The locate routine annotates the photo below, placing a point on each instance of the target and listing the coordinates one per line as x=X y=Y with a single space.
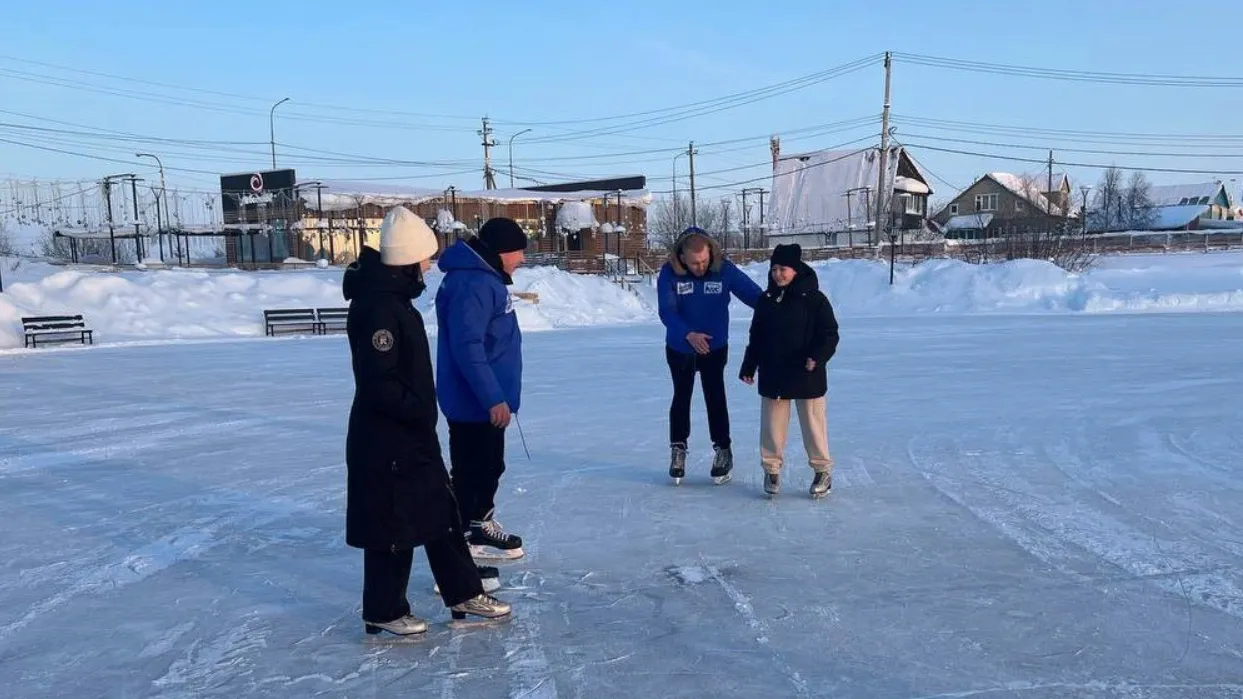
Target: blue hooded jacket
x=701 y=304
x=478 y=344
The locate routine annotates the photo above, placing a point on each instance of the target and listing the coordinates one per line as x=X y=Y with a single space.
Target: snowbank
x=161 y=304
x=182 y=304
x=1133 y=283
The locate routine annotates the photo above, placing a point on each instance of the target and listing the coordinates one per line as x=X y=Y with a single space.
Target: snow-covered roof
x=824 y=191
x=1176 y=217
x=1184 y=194
x=341 y=195
x=1028 y=187
x=968 y=221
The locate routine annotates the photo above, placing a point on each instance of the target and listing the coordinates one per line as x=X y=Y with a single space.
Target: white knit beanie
x=405 y=239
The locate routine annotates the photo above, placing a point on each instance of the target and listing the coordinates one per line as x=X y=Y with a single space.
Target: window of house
x=1020 y=207
x=986 y=202
x=953 y=209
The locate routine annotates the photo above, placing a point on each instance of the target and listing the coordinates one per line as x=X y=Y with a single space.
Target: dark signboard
x=255 y=196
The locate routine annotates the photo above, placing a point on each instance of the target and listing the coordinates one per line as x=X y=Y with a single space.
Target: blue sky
x=409 y=81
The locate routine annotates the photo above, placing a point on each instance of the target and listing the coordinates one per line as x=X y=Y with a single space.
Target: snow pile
x=1134 y=283
x=161 y=304
x=574 y=216
x=183 y=304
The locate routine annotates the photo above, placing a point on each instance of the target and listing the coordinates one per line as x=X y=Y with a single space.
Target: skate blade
x=722 y=480
x=677 y=480
x=478 y=622
x=820 y=496
x=388 y=638
x=483 y=553
x=489 y=585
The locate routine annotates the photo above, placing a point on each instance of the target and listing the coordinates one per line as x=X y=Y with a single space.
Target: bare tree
x=1106 y=213
x=6 y=242
x=669 y=217
x=1137 y=209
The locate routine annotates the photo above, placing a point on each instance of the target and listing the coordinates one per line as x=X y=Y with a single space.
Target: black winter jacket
x=790 y=326
x=397 y=491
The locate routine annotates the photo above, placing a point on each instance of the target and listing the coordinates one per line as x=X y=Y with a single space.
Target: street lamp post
x=159 y=221
x=511 y=156
x=272 y=128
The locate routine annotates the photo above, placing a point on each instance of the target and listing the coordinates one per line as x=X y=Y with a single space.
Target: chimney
x=774 y=144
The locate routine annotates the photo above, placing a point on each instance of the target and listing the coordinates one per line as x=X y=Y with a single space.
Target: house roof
x=825 y=191
x=1028 y=187
x=1185 y=194
x=968 y=222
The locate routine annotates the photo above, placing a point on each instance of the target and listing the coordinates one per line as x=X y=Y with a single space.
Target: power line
x=1149 y=79
x=1078 y=135
x=1045 y=161
x=1092 y=151
x=773 y=176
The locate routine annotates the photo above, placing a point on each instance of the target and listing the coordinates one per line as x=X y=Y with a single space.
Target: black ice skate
x=772 y=483
x=489 y=542
x=821 y=485
x=677 y=463
x=722 y=464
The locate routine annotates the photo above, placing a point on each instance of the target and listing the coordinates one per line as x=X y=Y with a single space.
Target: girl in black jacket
x=793 y=336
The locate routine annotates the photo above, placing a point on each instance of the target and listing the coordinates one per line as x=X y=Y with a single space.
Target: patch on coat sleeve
x=382 y=340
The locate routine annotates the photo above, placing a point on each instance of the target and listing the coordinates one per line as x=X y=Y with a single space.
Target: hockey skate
x=489 y=542
x=772 y=483
x=485 y=606
x=490 y=576
x=821 y=485
x=722 y=465
x=405 y=626
x=677 y=463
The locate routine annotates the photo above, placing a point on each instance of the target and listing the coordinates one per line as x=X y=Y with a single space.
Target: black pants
x=386 y=574
x=711 y=369
x=477 y=458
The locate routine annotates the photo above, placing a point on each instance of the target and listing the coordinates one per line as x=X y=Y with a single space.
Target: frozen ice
x=1024 y=506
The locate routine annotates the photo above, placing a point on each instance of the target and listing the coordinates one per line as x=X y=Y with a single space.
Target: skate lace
x=493 y=529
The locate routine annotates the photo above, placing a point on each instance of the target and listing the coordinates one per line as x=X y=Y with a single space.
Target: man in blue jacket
x=694 y=290
x=479 y=374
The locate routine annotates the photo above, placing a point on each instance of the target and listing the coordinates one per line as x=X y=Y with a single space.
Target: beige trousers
x=812 y=422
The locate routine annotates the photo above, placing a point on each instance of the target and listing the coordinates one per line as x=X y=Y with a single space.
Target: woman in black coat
x=793 y=336
x=398 y=495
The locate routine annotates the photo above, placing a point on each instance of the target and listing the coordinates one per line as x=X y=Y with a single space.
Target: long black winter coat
x=398 y=494
x=790 y=326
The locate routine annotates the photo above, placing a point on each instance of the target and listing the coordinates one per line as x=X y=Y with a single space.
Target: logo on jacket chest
x=685 y=288
x=714 y=287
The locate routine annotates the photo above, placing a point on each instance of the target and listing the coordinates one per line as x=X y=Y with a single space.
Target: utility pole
x=1084 y=214
x=489 y=178
x=690 y=151
x=746 y=230
x=133 y=183
x=763 y=231
x=272 y=128
x=1050 y=189
x=881 y=191
x=159 y=224
x=511 y=156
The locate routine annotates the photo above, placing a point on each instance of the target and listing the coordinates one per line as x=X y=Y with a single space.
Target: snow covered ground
x=1030 y=506
x=155 y=305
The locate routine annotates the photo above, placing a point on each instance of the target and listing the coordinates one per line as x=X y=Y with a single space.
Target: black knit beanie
x=787 y=255
x=503 y=235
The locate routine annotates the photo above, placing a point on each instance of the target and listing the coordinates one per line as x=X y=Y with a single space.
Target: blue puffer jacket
x=701 y=304
x=478 y=344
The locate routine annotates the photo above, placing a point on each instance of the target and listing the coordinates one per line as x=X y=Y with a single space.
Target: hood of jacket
x=716 y=257
x=369 y=276
x=805 y=281
x=473 y=255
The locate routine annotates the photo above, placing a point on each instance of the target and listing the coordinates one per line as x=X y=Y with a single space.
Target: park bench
x=331 y=319
x=56 y=329
x=276 y=320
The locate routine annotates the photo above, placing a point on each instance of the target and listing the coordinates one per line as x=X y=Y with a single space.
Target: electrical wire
x=1085 y=76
